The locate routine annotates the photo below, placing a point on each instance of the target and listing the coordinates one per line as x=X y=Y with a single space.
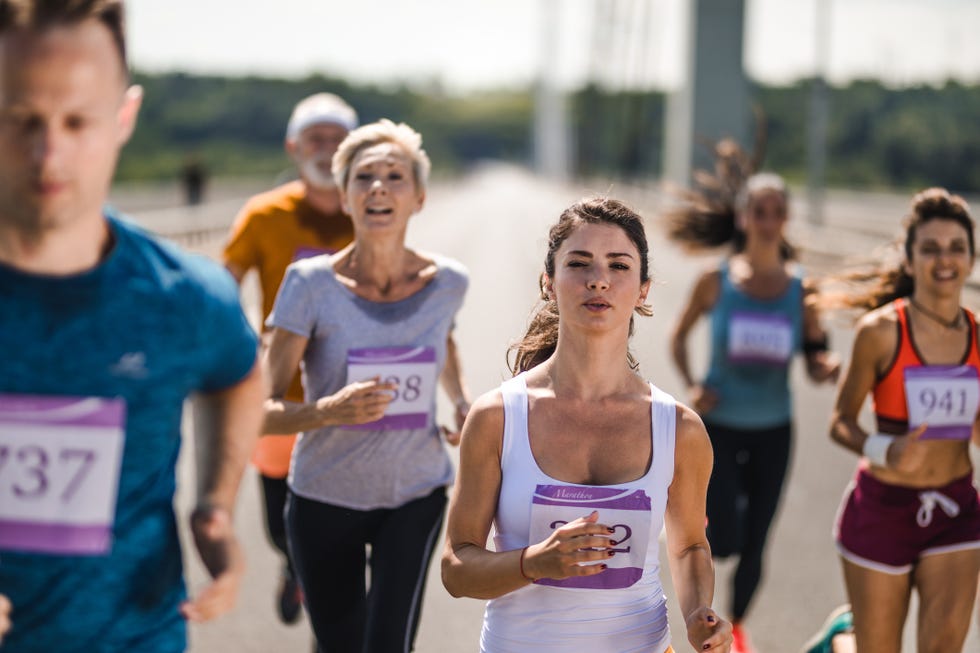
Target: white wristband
x=876 y=448
x=975 y=455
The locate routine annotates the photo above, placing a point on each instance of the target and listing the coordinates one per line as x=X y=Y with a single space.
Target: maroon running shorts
x=889 y=527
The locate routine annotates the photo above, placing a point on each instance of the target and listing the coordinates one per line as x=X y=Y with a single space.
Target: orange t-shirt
x=271 y=231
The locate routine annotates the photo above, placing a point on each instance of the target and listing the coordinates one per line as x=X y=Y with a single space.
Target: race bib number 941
x=946 y=397
x=413 y=369
x=60 y=459
x=626 y=511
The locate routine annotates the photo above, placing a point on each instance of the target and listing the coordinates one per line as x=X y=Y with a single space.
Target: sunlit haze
x=476 y=44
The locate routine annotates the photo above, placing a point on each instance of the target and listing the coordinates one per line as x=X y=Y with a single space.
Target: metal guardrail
x=193 y=227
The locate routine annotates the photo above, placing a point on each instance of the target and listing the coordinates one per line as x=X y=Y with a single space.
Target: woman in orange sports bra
x=911 y=518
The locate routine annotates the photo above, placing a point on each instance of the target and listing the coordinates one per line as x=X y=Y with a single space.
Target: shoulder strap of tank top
x=905 y=346
x=514 y=394
x=796 y=279
x=664 y=426
x=725 y=288
x=901 y=311
x=971 y=321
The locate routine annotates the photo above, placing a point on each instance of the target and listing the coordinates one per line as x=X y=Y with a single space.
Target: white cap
x=318 y=109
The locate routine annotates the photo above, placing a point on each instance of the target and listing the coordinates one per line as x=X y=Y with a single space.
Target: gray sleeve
x=294 y=309
x=460 y=286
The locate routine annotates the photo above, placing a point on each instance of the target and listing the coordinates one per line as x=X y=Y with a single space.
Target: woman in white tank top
x=578 y=463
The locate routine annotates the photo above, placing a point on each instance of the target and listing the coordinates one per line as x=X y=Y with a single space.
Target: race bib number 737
x=60 y=459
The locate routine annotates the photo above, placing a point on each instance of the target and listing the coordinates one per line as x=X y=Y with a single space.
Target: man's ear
x=128 y=112
x=290 y=146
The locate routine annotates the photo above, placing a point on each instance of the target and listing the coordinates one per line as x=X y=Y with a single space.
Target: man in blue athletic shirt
x=104 y=331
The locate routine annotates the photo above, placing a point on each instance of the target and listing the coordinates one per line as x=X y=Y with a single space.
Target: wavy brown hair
x=871 y=289
x=541 y=338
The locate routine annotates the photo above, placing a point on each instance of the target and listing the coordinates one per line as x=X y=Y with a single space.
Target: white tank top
x=621 y=610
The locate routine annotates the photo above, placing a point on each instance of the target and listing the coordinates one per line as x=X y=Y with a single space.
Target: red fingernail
x=611 y=553
x=706 y=647
x=604 y=567
x=612 y=542
x=611 y=530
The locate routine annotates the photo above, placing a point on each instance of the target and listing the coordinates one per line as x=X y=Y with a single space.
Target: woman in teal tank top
x=762 y=311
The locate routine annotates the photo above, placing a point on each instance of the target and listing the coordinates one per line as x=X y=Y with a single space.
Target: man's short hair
x=39 y=15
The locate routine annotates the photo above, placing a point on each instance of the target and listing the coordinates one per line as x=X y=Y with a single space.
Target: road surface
x=495 y=221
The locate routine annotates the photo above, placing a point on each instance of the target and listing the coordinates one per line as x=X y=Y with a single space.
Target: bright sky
x=476 y=44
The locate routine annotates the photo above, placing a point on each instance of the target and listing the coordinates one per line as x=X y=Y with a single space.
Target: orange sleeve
x=242 y=247
x=271 y=456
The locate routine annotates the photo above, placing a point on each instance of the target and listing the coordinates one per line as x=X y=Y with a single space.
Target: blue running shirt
x=145 y=328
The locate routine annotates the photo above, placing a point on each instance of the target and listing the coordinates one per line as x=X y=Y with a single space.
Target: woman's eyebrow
x=582 y=252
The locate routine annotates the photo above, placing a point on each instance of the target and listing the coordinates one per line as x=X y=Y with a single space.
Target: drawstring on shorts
x=930 y=500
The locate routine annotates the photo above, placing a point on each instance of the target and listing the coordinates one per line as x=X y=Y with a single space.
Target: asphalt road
x=495 y=221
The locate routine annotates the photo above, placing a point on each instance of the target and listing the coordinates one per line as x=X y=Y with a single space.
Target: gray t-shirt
x=367 y=468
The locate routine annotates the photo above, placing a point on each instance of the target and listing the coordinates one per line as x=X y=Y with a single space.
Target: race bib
x=301 y=253
x=760 y=338
x=60 y=460
x=946 y=397
x=412 y=368
x=625 y=510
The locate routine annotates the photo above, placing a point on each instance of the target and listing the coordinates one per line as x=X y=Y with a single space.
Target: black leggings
x=274 y=496
x=743 y=495
x=328 y=542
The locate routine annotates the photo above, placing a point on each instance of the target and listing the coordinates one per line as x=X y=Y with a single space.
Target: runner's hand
x=222 y=556
x=823 y=366
x=452 y=437
x=357 y=403
x=706 y=631
x=702 y=398
x=909 y=453
x=5 y=610
x=582 y=540
x=462 y=410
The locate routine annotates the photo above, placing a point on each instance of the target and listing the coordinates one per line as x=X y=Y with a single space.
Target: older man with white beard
x=299 y=219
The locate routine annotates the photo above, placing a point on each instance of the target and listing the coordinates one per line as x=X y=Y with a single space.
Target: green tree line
x=879 y=137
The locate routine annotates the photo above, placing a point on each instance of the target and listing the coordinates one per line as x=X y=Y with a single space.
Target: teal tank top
x=752 y=344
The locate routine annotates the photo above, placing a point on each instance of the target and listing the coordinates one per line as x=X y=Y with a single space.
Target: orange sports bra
x=888 y=396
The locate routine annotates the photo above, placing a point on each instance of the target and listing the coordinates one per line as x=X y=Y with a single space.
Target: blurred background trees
x=879 y=137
